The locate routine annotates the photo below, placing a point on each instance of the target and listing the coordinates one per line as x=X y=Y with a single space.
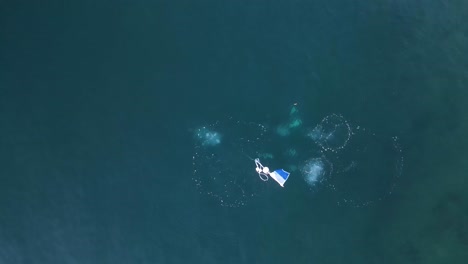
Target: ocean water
x=100 y=101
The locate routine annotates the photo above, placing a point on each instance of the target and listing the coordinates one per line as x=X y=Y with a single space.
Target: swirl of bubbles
x=368 y=170
x=332 y=133
x=316 y=170
x=221 y=166
x=358 y=166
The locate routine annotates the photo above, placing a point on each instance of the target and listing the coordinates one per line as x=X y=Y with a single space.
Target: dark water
x=99 y=99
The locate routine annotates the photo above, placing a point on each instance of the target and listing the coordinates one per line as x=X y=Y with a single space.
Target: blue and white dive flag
x=280 y=176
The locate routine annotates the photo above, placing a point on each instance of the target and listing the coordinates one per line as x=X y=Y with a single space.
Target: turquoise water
x=99 y=102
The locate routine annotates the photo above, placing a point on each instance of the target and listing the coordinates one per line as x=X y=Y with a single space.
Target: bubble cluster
x=332 y=133
x=207 y=137
x=358 y=166
x=222 y=169
x=316 y=170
